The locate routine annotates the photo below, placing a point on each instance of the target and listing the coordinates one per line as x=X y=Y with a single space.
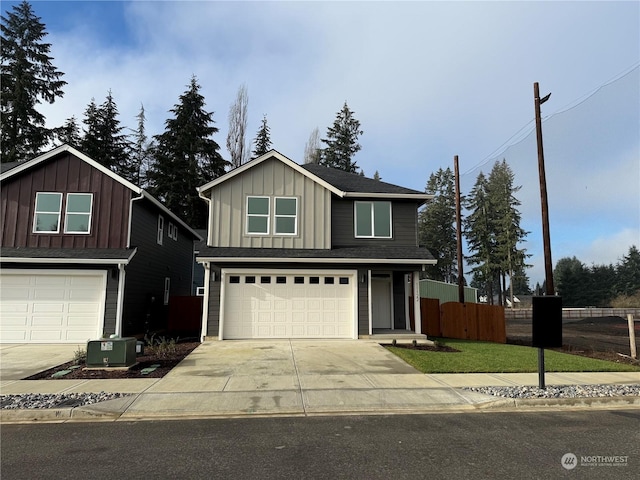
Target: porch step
x=402 y=338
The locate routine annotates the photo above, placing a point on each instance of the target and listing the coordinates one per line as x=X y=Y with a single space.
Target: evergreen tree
x=238 y=128
x=436 y=226
x=69 y=133
x=342 y=142
x=376 y=176
x=27 y=77
x=571 y=278
x=185 y=157
x=103 y=140
x=628 y=273
x=262 y=143
x=312 y=151
x=140 y=151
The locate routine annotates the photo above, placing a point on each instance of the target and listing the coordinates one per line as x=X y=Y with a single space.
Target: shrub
x=627 y=301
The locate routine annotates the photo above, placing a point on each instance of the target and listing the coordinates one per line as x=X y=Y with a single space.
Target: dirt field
x=602 y=337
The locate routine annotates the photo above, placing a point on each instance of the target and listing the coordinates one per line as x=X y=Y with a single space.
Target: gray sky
x=427 y=80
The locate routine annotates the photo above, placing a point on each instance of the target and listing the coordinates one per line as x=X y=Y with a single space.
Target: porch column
x=120 y=300
x=417 y=318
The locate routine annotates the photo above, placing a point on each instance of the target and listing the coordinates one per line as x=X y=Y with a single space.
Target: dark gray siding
x=404 y=224
x=111 y=302
x=213 y=321
x=399 y=319
x=143 y=304
x=363 y=303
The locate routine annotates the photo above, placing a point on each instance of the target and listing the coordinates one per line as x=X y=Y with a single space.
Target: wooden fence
x=470 y=321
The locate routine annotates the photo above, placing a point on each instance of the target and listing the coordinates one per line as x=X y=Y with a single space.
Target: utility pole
x=459 y=231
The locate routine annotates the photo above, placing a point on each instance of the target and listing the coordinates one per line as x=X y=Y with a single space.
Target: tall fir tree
x=342 y=142
x=69 y=133
x=186 y=157
x=27 y=77
x=436 y=226
x=262 y=142
x=103 y=140
x=140 y=150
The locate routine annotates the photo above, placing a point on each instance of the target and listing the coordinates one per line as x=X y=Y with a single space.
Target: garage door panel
x=51 y=306
x=288 y=305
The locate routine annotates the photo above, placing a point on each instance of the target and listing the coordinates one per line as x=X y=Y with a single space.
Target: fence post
x=632 y=336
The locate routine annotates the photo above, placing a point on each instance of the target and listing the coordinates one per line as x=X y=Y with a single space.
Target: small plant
x=415 y=342
x=79 y=356
x=394 y=342
x=161 y=347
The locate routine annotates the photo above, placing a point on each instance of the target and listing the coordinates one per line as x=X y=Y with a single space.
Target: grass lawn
x=484 y=357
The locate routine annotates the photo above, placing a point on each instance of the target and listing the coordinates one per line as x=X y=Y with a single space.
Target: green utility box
x=111 y=352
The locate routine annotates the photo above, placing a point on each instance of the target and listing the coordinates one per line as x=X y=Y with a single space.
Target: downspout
x=209 y=215
x=205 y=300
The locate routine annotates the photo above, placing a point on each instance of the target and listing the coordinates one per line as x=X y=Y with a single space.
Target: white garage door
x=278 y=304
x=65 y=306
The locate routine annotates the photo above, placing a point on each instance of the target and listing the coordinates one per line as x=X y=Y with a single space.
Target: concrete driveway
x=18 y=361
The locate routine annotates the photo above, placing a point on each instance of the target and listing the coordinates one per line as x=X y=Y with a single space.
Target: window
x=172 y=231
x=265 y=279
x=46 y=218
x=250 y=279
x=298 y=280
x=281 y=279
x=286 y=214
x=328 y=280
x=258 y=215
x=167 y=288
x=373 y=219
x=344 y=280
x=314 y=280
x=78 y=213
x=160 y=229
x=234 y=279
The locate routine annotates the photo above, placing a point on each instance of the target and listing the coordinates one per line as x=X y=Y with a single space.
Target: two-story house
x=306 y=251
x=84 y=252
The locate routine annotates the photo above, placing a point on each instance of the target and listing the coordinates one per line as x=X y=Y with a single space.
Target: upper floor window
x=286 y=216
x=373 y=219
x=172 y=231
x=160 y=234
x=258 y=215
x=46 y=218
x=78 y=213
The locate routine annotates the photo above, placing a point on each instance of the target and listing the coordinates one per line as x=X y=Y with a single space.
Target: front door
x=381 y=310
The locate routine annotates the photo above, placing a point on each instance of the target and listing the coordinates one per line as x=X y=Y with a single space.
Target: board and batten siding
x=270 y=178
x=64 y=174
x=404 y=224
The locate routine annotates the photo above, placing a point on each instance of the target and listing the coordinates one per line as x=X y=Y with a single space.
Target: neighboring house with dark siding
x=306 y=251
x=84 y=252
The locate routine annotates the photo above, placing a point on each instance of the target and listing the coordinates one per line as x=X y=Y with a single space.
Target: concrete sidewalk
x=298 y=378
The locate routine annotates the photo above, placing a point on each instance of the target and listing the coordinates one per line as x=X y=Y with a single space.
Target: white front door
x=289 y=304
x=51 y=306
x=381 y=310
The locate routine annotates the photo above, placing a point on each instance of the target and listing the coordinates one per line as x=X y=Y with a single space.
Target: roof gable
x=343 y=184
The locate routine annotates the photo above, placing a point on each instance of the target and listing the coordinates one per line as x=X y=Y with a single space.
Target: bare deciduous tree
x=238 y=127
x=312 y=148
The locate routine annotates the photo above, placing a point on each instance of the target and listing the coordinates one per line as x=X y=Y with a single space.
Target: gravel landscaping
x=51 y=400
x=564 y=391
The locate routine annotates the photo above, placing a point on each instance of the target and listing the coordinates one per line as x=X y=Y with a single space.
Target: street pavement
x=286 y=377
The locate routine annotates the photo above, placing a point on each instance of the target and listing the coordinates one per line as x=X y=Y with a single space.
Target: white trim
x=247 y=215
x=275 y=217
x=205 y=302
x=353 y=274
x=417 y=316
x=74 y=261
x=342 y=260
x=61 y=272
x=160 y=230
x=390 y=196
x=130 y=223
x=67 y=213
x=270 y=154
x=167 y=291
x=369 y=302
x=36 y=212
x=120 y=299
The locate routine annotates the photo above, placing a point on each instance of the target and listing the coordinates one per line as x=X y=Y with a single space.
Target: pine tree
x=186 y=157
x=238 y=128
x=27 y=78
x=262 y=143
x=342 y=142
x=140 y=147
x=103 y=139
x=69 y=133
x=436 y=226
x=628 y=273
x=376 y=176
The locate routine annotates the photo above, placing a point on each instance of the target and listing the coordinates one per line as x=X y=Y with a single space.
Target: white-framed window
x=46 y=218
x=78 y=213
x=372 y=219
x=167 y=290
x=286 y=216
x=160 y=233
x=258 y=215
x=172 y=231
